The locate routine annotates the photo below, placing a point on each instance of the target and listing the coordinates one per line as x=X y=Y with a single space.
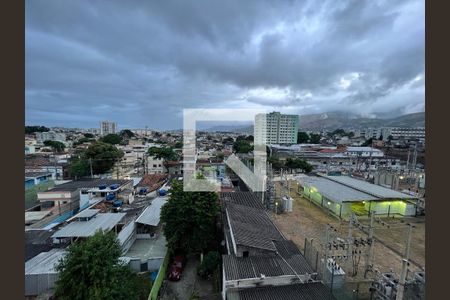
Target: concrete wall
x=36 y=284
x=262 y=281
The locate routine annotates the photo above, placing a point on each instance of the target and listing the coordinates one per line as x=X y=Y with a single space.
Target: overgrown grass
x=194 y=296
x=144 y=285
x=31 y=193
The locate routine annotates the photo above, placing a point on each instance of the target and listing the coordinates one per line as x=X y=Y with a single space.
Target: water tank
x=117 y=203
x=102 y=187
x=289 y=204
x=110 y=197
x=114 y=186
x=162 y=192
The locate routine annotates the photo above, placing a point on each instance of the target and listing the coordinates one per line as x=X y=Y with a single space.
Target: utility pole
x=370 y=161
x=407 y=161
x=327 y=242
x=370 y=239
x=408 y=241
x=415 y=157
x=350 y=238
x=401 y=284
x=90 y=167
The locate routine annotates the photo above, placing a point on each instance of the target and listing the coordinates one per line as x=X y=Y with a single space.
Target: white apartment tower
x=107 y=127
x=276 y=128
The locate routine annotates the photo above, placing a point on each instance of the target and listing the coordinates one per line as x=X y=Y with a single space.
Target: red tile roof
x=153 y=181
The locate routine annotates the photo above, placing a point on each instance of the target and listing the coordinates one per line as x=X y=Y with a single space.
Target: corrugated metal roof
x=334 y=191
x=126 y=232
x=45 y=262
x=102 y=221
x=369 y=188
x=288 y=260
x=31 y=216
x=306 y=291
x=252 y=227
x=251 y=199
x=87 y=213
x=151 y=215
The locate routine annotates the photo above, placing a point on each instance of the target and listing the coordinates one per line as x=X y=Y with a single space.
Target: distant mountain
x=335 y=120
x=226 y=128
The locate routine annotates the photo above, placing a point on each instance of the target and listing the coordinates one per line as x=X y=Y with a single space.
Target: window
x=245 y=253
x=154 y=166
x=144 y=267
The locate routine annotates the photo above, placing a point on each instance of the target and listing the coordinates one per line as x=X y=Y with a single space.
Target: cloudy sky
x=141 y=62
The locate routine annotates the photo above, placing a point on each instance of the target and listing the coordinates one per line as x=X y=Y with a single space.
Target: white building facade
x=50 y=136
x=276 y=128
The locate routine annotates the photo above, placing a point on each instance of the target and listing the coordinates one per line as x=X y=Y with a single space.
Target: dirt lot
x=309 y=221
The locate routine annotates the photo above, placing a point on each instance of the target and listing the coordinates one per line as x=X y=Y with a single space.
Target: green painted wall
x=396 y=207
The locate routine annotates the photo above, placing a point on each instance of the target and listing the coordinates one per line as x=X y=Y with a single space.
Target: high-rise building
x=276 y=128
x=107 y=127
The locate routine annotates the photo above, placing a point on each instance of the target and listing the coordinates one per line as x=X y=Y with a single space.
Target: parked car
x=176 y=268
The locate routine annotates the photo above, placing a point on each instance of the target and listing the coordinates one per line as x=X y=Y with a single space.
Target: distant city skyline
x=140 y=65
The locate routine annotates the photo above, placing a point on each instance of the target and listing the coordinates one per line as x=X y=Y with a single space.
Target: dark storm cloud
x=141 y=62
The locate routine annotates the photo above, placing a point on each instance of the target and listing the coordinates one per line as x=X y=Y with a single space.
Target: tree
x=88 y=135
x=293 y=163
x=82 y=141
x=390 y=138
x=126 y=134
x=242 y=146
x=339 y=132
x=220 y=155
x=92 y=270
x=33 y=129
x=78 y=167
x=302 y=137
x=103 y=156
x=277 y=164
x=367 y=143
x=189 y=219
x=178 y=145
x=314 y=138
x=56 y=145
x=112 y=139
x=209 y=264
x=165 y=153
x=228 y=140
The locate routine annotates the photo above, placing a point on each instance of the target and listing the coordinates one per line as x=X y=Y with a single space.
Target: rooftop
x=145 y=249
x=153 y=181
x=308 y=291
x=103 y=221
x=369 y=188
x=151 y=215
x=87 y=213
x=287 y=260
x=45 y=262
x=86 y=184
x=36 y=174
x=31 y=216
x=334 y=191
x=252 y=227
x=250 y=199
